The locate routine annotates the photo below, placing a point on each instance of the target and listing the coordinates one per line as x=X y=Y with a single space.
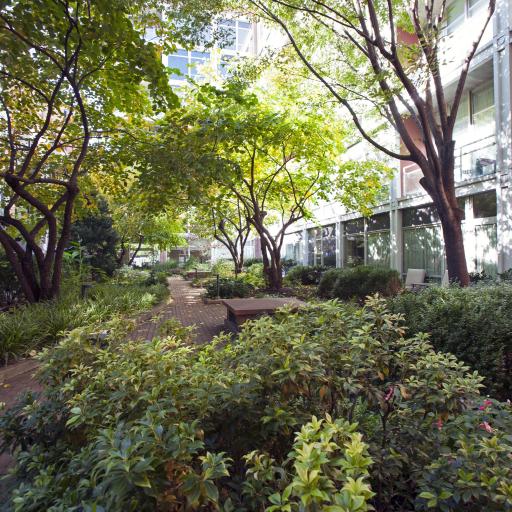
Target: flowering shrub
x=330 y=408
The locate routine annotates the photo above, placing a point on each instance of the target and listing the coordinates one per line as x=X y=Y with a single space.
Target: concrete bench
x=241 y=310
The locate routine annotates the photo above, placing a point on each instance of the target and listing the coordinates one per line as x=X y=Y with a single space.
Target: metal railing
x=476 y=159
x=472 y=160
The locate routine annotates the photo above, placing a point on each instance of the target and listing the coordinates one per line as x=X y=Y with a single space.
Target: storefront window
x=322 y=246
x=354 y=243
x=293 y=247
x=329 y=245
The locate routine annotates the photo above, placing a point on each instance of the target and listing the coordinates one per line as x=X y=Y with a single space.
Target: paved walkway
x=185 y=305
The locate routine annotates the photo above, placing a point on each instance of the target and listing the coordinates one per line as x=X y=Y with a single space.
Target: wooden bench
x=241 y=310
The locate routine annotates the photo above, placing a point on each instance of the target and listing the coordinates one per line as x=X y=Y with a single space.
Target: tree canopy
x=72 y=74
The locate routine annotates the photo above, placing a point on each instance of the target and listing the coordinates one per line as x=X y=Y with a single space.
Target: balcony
x=476 y=159
x=472 y=160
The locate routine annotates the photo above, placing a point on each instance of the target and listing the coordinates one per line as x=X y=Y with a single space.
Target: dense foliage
x=473 y=323
x=228 y=288
x=305 y=275
x=359 y=282
x=332 y=408
x=32 y=326
x=10 y=290
x=95 y=234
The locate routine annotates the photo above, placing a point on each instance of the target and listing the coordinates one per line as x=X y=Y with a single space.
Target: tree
x=388 y=55
x=282 y=161
x=231 y=225
x=71 y=73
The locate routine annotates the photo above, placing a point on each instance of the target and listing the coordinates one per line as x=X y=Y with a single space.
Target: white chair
x=415 y=278
x=446 y=280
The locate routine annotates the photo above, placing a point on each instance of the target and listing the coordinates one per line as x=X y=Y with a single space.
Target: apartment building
x=404 y=231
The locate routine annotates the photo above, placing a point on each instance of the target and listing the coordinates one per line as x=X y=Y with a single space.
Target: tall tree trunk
x=454 y=246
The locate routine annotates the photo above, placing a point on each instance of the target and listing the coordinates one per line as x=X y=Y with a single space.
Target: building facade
x=404 y=231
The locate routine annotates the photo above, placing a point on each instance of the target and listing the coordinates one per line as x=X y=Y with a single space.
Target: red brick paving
x=14 y=379
x=187 y=306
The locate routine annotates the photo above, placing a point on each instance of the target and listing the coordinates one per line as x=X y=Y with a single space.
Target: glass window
x=484 y=205
x=486 y=255
x=419 y=216
x=179 y=62
x=293 y=244
x=354 y=243
x=475 y=5
x=482 y=106
x=329 y=245
x=462 y=121
x=378 y=249
x=454 y=15
x=378 y=222
x=227 y=29
x=322 y=246
x=354 y=226
x=243 y=36
x=224 y=65
x=353 y=250
x=197 y=59
x=424 y=248
x=314 y=246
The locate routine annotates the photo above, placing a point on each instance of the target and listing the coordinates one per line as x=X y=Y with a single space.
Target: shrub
x=361 y=281
x=251 y=261
x=228 y=288
x=329 y=408
x=304 y=275
x=473 y=323
x=225 y=268
x=327 y=282
x=254 y=275
x=167 y=266
x=10 y=289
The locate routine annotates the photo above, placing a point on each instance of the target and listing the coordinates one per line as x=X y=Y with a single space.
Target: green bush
x=167 y=266
x=361 y=281
x=327 y=282
x=252 y=261
x=473 y=323
x=253 y=275
x=225 y=268
x=10 y=289
x=32 y=326
x=304 y=275
x=330 y=408
x=228 y=288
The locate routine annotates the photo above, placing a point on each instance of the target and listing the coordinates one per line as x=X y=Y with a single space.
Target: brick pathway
x=187 y=306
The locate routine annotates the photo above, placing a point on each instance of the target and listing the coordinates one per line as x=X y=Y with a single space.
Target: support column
x=396 y=238
x=305 y=252
x=502 y=60
x=340 y=249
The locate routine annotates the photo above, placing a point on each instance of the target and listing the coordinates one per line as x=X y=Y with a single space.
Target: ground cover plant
x=30 y=327
x=473 y=323
x=332 y=408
